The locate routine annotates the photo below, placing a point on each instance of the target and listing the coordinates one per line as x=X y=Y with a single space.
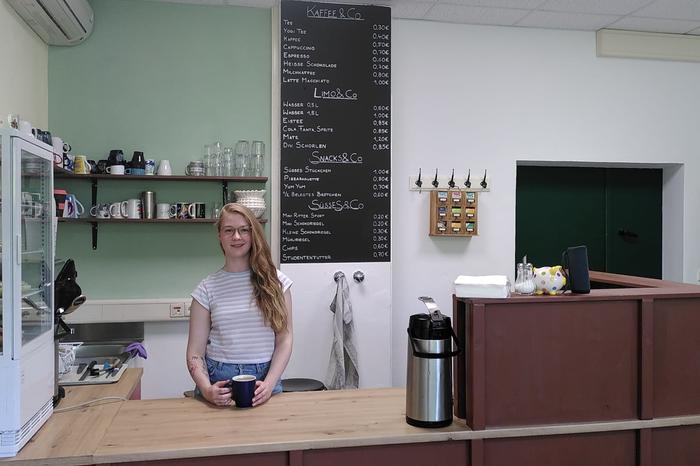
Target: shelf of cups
x=62 y=173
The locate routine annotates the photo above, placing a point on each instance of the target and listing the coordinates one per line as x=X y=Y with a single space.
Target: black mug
x=102 y=166
x=116 y=157
x=137 y=161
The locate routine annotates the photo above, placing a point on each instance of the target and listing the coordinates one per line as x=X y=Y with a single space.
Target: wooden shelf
x=62 y=173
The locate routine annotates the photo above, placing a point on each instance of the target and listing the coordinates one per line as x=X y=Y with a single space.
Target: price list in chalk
x=335 y=132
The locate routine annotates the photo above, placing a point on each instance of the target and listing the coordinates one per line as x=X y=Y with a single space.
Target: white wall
x=484 y=97
x=23 y=70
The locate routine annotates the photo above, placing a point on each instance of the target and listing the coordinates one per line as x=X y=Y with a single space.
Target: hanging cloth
x=342 y=366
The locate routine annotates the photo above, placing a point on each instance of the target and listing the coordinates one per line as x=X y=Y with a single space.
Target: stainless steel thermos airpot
x=429 y=368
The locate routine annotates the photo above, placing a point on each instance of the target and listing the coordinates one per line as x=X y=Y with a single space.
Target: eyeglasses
x=243 y=231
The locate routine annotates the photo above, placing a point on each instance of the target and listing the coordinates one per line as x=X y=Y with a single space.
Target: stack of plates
x=252 y=199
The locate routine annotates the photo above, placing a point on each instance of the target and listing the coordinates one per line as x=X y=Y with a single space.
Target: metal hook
x=358 y=276
x=419 y=182
x=468 y=182
x=338 y=275
x=483 y=182
x=435 y=182
x=451 y=183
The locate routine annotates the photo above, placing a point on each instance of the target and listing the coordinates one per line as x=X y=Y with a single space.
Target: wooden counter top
x=70 y=437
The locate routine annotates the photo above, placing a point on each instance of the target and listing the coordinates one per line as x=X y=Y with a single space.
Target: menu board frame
x=335 y=133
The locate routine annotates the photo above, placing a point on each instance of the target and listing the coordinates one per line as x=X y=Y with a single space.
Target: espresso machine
x=67 y=298
x=429 y=368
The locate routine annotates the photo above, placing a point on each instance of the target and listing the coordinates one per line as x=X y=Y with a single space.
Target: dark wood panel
x=676 y=357
x=417 y=454
x=547 y=363
x=258 y=459
x=596 y=449
x=676 y=446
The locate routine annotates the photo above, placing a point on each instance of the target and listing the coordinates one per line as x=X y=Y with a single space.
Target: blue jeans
x=225 y=371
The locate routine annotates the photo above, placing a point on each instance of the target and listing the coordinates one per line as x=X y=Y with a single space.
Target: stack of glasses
x=245 y=160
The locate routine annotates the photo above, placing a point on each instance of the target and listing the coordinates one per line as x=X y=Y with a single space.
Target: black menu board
x=336 y=132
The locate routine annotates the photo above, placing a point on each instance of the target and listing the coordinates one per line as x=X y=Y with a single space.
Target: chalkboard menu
x=336 y=132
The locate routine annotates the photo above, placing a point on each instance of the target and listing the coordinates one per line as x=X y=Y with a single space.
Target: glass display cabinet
x=26 y=288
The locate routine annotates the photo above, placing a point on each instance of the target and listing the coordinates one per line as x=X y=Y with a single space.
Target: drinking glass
x=257 y=158
x=216 y=210
x=206 y=158
x=216 y=159
x=229 y=162
x=242 y=151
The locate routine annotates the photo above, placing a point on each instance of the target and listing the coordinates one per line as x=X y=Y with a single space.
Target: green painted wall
x=166 y=79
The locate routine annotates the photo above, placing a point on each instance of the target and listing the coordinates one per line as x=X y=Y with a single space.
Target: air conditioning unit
x=57 y=22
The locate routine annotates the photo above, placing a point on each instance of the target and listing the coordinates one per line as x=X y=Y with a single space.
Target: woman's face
x=235 y=235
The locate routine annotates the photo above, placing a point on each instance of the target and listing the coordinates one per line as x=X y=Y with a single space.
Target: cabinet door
x=558 y=207
x=634 y=221
x=34 y=229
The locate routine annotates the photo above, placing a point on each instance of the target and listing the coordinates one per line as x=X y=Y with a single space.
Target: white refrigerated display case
x=26 y=296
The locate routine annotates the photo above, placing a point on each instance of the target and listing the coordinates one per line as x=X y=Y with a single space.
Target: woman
x=241 y=315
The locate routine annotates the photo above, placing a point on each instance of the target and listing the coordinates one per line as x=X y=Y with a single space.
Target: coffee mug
x=197 y=210
x=135 y=171
x=25 y=127
x=68 y=161
x=164 y=168
x=57 y=144
x=115 y=210
x=150 y=167
x=101 y=166
x=242 y=390
x=165 y=211
x=81 y=165
x=100 y=211
x=131 y=208
x=73 y=208
x=115 y=170
x=182 y=210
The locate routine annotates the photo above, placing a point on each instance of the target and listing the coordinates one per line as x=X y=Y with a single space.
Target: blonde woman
x=241 y=315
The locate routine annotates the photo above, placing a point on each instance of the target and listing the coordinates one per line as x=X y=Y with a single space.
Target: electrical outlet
x=187 y=309
x=177 y=310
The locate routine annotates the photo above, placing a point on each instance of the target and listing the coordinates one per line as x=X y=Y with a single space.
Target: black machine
x=67 y=298
x=575 y=261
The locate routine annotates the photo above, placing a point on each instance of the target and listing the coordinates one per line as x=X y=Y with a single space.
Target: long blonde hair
x=267 y=288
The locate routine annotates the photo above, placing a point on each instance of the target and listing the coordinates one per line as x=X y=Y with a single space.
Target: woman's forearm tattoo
x=197 y=363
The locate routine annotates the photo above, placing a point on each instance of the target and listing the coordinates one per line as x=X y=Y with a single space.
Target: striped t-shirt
x=238 y=332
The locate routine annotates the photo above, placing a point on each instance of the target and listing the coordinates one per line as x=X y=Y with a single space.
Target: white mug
x=164 y=211
x=115 y=210
x=73 y=208
x=131 y=208
x=164 y=168
x=57 y=144
x=25 y=127
x=115 y=170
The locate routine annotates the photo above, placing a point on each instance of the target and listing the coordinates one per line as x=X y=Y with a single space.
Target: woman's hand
x=263 y=392
x=218 y=393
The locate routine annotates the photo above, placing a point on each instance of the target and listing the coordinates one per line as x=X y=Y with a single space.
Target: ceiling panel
x=598 y=7
x=557 y=20
x=673 y=9
x=676 y=26
x=474 y=15
x=669 y=16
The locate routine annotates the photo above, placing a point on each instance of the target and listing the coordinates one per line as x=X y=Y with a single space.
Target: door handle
x=627 y=234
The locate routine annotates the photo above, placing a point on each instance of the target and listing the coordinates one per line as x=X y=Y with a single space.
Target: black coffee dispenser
x=429 y=368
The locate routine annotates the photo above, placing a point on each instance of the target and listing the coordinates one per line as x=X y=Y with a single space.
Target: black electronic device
x=575 y=262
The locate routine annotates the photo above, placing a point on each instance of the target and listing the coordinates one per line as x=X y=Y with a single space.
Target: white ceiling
x=671 y=16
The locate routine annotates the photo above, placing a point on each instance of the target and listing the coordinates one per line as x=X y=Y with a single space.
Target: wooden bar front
x=614 y=354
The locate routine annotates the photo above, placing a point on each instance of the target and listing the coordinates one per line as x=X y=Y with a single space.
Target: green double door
x=615 y=212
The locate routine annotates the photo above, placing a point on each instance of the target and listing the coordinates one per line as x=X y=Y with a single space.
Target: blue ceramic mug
x=242 y=390
x=135 y=171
